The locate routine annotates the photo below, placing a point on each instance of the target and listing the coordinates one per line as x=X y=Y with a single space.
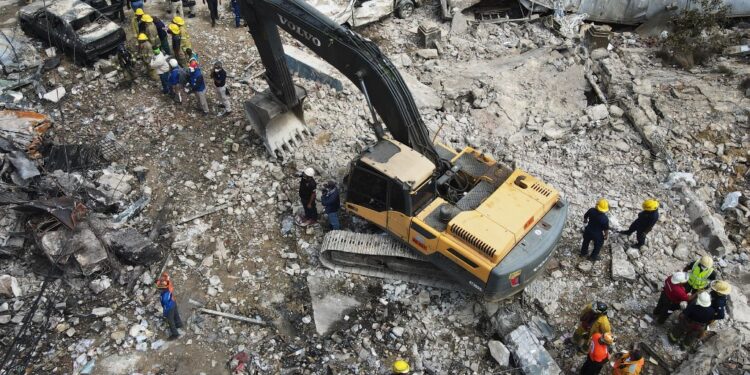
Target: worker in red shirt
x=598 y=353
x=674 y=296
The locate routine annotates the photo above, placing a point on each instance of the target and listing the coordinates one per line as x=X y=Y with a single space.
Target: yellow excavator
x=457 y=218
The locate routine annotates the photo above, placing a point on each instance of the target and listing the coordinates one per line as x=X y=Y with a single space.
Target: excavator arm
x=359 y=59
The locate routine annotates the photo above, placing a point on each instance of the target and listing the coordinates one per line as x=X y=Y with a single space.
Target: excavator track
x=380 y=256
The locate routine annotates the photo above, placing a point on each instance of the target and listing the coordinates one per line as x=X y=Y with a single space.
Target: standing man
x=184 y=36
x=693 y=322
x=593 y=320
x=161 y=30
x=701 y=273
x=598 y=353
x=219 y=75
x=197 y=85
x=175 y=80
x=236 y=10
x=596 y=229
x=213 y=9
x=136 y=4
x=644 y=223
x=150 y=30
x=673 y=297
x=720 y=289
x=160 y=65
x=331 y=204
x=145 y=52
x=190 y=6
x=136 y=21
x=175 y=8
x=307 y=188
x=169 y=305
x=629 y=363
x=174 y=31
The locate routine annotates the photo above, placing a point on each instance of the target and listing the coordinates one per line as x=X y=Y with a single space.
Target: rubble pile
x=128 y=184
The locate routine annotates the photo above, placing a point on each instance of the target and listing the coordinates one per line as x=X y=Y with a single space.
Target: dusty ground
x=536 y=96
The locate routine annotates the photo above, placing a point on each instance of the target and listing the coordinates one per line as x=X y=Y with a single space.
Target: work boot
x=594 y=258
x=173 y=337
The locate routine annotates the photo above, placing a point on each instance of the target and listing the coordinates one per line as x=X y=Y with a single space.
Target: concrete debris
x=427 y=54
x=132 y=247
x=598 y=112
x=87 y=250
x=622 y=267
x=100 y=285
x=101 y=311
x=328 y=307
x=9 y=286
x=55 y=95
x=709 y=226
x=529 y=353
x=499 y=352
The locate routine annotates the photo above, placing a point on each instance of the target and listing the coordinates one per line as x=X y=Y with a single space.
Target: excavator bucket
x=281 y=128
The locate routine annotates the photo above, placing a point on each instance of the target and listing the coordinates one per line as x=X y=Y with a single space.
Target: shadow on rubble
x=67 y=205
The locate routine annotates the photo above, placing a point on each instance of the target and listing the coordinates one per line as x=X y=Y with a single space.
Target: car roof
x=70 y=10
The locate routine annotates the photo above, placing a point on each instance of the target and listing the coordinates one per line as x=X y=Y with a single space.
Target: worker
x=178 y=54
x=160 y=65
x=184 y=36
x=644 y=223
x=593 y=319
x=169 y=305
x=307 y=188
x=145 y=51
x=596 y=229
x=331 y=204
x=175 y=8
x=150 y=30
x=173 y=81
x=693 y=322
x=598 y=353
x=219 y=75
x=628 y=363
x=236 y=10
x=161 y=30
x=673 y=296
x=191 y=56
x=701 y=273
x=197 y=85
x=213 y=10
x=720 y=289
x=401 y=367
x=135 y=4
x=136 y=21
x=190 y=6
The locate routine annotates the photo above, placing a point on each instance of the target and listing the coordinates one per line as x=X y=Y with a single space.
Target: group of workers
x=329 y=199
x=597 y=226
x=176 y=66
x=176 y=7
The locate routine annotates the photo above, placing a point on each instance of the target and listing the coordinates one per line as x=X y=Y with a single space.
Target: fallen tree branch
x=233 y=316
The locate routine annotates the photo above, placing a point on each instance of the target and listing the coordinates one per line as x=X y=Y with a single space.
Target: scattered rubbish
x=55 y=95
x=731 y=200
x=101 y=311
x=133 y=210
x=233 y=316
x=23 y=130
x=25 y=168
x=238 y=362
x=530 y=354
x=64 y=209
x=287 y=224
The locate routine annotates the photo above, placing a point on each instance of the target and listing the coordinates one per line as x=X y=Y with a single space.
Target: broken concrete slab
x=530 y=354
x=328 y=306
x=9 y=286
x=87 y=250
x=709 y=226
x=499 y=352
x=543 y=292
x=622 y=268
x=132 y=247
x=427 y=53
x=424 y=96
x=115 y=185
x=55 y=95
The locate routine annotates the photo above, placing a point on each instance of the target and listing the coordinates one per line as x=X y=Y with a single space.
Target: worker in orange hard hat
x=169 y=305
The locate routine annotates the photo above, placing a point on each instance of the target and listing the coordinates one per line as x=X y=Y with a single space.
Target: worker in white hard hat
x=307 y=189
x=673 y=296
x=693 y=321
x=701 y=273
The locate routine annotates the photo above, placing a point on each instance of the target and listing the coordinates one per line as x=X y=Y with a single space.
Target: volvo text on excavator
x=457 y=218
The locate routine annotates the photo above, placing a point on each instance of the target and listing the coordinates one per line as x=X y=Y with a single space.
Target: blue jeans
x=136 y=5
x=333 y=219
x=164 y=77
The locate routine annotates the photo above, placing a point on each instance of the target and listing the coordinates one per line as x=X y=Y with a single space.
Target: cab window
x=368 y=189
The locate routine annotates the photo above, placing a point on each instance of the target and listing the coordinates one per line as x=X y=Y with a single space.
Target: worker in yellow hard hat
x=184 y=36
x=644 y=223
x=597 y=229
x=720 y=289
x=401 y=367
x=145 y=50
x=174 y=31
x=136 y=20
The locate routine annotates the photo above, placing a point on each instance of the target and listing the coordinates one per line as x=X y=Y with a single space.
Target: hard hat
x=680 y=277
x=400 y=367
x=650 y=205
x=599 y=307
x=608 y=338
x=142 y=37
x=722 y=287
x=172 y=63
x=706 y=261
x=704 y=299
x=147 y=18
x=178 y=20
x=139 y=12
x=174 y=29
x=602 y=205
x=309 y=172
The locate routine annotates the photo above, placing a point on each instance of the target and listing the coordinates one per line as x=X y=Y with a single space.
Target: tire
x=405 y=9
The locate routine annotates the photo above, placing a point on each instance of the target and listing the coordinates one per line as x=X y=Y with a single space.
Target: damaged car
x=74 y=27
x=355 y=13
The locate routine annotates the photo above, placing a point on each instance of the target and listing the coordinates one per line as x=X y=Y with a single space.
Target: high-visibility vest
x=699 y=279
x=597 y=351
x=625 y=366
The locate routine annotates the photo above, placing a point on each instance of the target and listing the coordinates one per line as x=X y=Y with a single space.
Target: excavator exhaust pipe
x=281 y=128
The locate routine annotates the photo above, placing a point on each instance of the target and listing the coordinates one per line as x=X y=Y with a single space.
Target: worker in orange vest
x=629 y=363
x=598 y=353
